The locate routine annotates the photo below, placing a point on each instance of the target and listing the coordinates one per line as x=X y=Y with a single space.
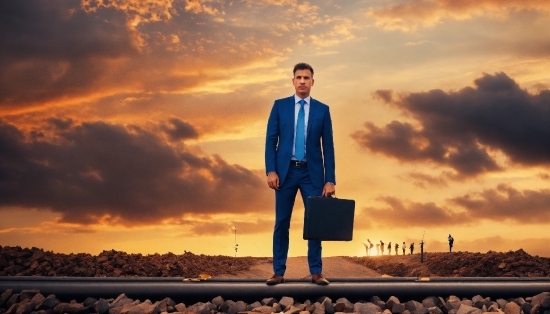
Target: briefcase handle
x=320 y=196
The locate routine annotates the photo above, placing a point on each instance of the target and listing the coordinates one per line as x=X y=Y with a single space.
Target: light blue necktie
x=299 y=151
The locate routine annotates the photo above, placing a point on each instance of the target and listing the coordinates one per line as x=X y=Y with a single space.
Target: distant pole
x=236 y=245
x=422 y=248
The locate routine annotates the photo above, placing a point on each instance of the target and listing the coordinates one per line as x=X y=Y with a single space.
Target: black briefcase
x=329 y=219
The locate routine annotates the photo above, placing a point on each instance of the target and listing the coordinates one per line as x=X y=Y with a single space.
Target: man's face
x=302 y=81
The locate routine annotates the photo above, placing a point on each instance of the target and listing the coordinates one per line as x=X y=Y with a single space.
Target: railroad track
x=250 y=290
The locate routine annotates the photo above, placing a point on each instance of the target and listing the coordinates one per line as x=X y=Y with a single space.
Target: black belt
x=298 y=163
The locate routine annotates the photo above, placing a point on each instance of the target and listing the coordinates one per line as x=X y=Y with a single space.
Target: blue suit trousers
x=297 y=179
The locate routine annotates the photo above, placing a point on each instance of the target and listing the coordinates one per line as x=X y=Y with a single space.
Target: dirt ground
x=456 y=264
x=17 y=261
x=296 y=267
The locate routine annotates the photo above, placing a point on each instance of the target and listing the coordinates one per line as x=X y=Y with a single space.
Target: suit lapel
x=312 y=112
x=290 y=107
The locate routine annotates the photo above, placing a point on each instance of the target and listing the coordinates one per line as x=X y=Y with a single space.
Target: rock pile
x=460 y=264
x=491 y=264
x=17 y=261
x=32 y=302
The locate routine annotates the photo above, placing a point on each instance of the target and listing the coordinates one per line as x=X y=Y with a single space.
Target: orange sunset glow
x=140 y=126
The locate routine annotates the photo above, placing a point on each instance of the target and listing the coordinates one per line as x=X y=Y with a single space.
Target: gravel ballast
x=33 y=302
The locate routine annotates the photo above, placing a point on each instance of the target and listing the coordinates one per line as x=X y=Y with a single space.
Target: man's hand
x=273 y=180
x=328 y=189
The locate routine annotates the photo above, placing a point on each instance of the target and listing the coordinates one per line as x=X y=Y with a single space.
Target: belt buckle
x=298 y=163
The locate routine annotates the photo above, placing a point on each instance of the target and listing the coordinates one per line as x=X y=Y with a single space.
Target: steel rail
x=250 y=290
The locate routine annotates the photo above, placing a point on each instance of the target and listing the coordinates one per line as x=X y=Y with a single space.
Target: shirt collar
x=297 y=99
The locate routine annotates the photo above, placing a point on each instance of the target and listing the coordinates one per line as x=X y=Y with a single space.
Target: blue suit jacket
x=319 y=141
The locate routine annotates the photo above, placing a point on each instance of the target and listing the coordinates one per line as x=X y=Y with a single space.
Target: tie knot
x=302 y=102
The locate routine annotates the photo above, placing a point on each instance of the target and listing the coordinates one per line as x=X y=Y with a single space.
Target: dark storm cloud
x=95 y=170
x=59 y=30
x=459 y=129
x=61 y=124
x=180 y=130
x=53 y=47
x=505 y=202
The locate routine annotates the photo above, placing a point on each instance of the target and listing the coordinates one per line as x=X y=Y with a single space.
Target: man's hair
x=302 y=66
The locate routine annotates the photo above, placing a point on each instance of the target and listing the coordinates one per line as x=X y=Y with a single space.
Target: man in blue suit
x=299 y=155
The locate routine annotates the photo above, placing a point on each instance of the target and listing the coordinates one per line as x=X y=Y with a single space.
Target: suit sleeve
x=328 y=149
x=272 y=140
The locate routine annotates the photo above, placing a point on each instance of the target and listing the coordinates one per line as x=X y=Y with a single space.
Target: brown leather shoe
x=275 y=280
x=319 y=279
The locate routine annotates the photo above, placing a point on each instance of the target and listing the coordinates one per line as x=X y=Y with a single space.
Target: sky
x=140 y=126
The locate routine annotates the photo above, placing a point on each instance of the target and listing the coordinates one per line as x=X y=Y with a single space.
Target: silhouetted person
x=389 y=248
x=396 y=248
x=412 y=248
x=382 y=247
x=377 y=249
x=370 y=246
x=404 y=247
x=451 y=241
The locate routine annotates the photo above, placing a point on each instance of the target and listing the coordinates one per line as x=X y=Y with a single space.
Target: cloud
x=404 y=142
x=401 y=214
x=462 y=130
x=59 y=30
x=384 y=94
x=341 y=31
x=63 y=50
x=54 y=46
x=137 y=11
x=421 y=179
x=80 y=53
x=409 y=15
x=505 y=202
x=94 y=172
x=222 y=227
x=200 y=6
x=498 y=204
x=180 y=130
x=59 y=123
